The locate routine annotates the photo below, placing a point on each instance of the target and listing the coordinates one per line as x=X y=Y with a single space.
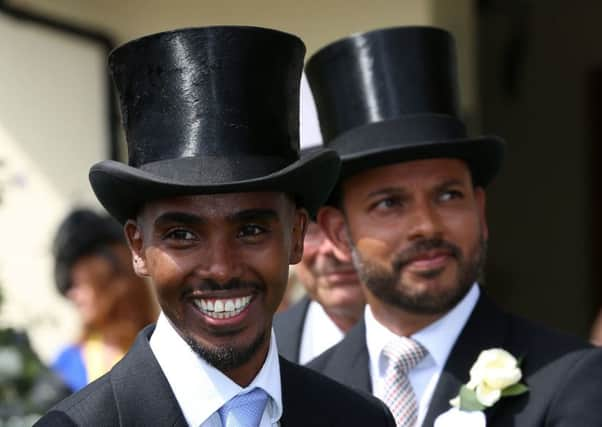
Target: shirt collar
x=193 y=380
x=438 y=337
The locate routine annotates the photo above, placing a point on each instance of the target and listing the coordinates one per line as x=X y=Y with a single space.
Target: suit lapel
x=487 y=327
x=138 y=378
x=288 y=327
x=350 y=364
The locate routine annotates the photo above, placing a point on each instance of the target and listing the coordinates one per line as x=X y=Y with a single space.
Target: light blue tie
x=244 y=410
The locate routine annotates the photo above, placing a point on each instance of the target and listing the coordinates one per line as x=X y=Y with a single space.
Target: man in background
x=333 y=305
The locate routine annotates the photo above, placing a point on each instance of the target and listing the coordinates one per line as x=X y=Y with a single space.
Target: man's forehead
x=216 y=205
x=409 y=172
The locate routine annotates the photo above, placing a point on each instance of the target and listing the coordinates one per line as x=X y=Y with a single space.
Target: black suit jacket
x=288 y=327
x=564 y=375
x=136 y=393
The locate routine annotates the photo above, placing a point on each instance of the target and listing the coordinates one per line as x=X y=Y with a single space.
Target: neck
x=344 y=321
x=399 y=321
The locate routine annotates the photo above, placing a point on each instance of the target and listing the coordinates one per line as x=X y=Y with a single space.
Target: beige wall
x=317 y=22
x=52 y=127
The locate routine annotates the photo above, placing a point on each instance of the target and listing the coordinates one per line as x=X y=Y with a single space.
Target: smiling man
x=409 y=212
x=215 y=201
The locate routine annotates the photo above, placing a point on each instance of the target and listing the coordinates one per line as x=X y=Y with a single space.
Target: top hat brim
x=416 y=138
x=123 y=189
x=483 y=155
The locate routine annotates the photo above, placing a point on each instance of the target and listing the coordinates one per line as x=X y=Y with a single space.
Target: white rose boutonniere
x=495 y=374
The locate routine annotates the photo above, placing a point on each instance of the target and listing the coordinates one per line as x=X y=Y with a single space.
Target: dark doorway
x=537 y=90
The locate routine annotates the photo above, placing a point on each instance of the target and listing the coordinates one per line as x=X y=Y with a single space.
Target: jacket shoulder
x=94 y=405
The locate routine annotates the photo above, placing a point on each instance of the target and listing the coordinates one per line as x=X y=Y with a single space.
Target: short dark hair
x=82 y=233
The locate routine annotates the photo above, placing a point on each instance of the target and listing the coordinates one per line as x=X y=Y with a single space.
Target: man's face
x=95 y=290
x=219 y=264
x=416 y=232
x=328 y=277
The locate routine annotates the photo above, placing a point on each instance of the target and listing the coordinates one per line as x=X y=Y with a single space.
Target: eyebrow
x=451 y=182
x=178 y=217
x=387 y=190
x=401 y=190
x=192 y=220
x=254 y=214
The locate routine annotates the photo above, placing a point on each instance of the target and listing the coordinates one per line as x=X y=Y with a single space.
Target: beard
x=229 y=357
x=388 y=286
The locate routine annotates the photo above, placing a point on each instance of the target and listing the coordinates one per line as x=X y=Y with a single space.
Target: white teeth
x=223 y=308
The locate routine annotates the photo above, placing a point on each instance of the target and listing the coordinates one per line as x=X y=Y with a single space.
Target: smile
x=222 y=308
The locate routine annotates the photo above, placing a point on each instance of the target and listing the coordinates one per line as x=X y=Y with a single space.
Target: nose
x=424 y=222
x=221 y=263
x=326 y=247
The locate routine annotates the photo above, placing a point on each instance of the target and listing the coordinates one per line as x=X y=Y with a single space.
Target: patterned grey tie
x=244 y=410
x=403 y=354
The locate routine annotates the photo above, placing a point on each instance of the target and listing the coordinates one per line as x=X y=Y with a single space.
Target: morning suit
x=564 y=375
x=136 y=393
x=288 y=327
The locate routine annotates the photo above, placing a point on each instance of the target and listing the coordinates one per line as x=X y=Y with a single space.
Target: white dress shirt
x=438 y=338
x=200 y=389
x=319 y=333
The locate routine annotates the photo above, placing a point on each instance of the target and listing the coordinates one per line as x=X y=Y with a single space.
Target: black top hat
x=391 y=95
x=210 y=110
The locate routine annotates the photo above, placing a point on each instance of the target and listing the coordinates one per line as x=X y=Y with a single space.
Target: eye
x=251 y=230
x=451 y=195
x=180 y=235
x=388 y=203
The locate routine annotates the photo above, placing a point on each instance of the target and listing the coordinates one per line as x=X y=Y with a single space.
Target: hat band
x=208 y=170
x=409 y=130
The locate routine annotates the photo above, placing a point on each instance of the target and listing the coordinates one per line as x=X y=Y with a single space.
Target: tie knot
x=244 y=409
x=404 y=353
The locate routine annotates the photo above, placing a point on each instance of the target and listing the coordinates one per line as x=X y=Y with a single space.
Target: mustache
x=210 y=285
x=420 y=247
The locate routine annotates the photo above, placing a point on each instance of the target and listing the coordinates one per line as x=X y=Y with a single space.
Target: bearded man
x=409 y=211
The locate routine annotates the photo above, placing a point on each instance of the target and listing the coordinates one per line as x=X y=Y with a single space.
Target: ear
x=480 y=198
x=134 y=236
x=332 y=222
x=299 y=229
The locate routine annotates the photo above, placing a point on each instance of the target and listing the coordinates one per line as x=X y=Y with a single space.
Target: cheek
x=167 y=272
x=465 y=231
x=375 y=250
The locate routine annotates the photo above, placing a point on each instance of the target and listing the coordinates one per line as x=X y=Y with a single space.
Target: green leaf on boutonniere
x=468 y=400
x=515 y=390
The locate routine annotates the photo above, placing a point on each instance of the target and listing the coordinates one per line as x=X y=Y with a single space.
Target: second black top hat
x=392 y=95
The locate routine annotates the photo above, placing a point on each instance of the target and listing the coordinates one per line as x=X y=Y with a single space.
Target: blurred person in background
x=333 y=304
x=333 y=300
x=93 y=269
